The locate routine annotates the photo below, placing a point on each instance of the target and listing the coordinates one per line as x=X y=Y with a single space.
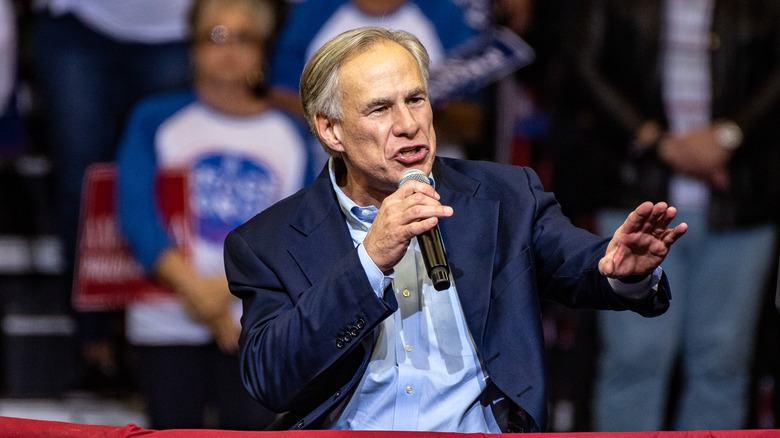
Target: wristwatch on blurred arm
x=729 y=135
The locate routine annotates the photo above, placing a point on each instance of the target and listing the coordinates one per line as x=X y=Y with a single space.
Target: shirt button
x=408 y=347
x=406 y=292
x=409 y=389
x=365 y=212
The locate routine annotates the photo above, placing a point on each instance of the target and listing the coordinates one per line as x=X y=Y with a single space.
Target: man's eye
x=379 y=109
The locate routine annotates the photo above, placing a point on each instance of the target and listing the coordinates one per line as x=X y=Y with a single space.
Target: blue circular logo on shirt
x=227 y=190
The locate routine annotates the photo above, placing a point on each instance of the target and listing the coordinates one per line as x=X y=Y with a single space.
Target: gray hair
x=319 y=81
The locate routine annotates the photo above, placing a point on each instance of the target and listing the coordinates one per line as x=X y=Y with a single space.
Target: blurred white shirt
x=132 y=21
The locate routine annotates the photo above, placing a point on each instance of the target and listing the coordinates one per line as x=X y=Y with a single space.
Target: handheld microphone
x=431 y=247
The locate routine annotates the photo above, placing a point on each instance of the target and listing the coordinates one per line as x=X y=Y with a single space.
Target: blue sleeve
x=449 y=20
x=378 y=280
x=316 y=157
x=139 y=219
x=289 y=55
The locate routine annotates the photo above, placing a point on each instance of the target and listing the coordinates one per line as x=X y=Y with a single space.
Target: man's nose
x=405 y=122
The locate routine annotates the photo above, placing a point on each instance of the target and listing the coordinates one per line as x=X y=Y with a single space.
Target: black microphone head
x=413 y=174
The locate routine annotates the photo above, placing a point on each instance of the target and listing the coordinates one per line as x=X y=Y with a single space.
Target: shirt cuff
x=378 y=280
x=640 y=289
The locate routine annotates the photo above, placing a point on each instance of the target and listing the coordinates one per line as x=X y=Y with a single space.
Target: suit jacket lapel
x=469 y=237
x=323 y=231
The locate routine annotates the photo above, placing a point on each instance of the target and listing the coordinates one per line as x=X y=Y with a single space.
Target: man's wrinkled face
x=387 y=125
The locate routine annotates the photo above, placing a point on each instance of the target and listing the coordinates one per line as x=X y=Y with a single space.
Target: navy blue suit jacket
x=309 y=310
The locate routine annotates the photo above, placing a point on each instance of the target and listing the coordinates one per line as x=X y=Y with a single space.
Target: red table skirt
x=22 y=428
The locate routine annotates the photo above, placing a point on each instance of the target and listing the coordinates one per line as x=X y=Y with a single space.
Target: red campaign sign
x=107 y=276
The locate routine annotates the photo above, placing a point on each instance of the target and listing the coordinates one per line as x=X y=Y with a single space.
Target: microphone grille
x=413 y=174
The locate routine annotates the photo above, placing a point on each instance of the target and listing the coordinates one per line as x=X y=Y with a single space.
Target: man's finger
x=411 y=187
x=606 y=266
x=671 y=236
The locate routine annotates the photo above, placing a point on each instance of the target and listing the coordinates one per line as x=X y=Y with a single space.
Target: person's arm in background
x=288 y=56
x=625 y=112
x=207 y=299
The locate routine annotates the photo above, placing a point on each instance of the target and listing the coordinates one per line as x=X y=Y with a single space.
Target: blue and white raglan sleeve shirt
x=236 y=167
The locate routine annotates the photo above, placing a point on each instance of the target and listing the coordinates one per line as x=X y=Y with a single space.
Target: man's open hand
x=642 y=242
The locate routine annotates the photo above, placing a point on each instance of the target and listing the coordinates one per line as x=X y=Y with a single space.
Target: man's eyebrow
x=381 y=101
x=417 y=92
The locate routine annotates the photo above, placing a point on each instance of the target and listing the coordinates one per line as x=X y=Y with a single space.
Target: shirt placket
x=410 y=347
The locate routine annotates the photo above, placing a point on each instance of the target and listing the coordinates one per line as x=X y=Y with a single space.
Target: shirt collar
x=355 y=214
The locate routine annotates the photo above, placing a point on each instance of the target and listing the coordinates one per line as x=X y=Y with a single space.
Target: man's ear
x=329 y=131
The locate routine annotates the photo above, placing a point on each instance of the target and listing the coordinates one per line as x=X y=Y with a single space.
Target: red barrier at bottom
x=23 y=428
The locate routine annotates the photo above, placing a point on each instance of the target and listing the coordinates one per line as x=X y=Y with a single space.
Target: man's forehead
x=377 y=54
x=372 y=66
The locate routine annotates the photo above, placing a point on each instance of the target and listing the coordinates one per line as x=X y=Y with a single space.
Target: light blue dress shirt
x=424 y=373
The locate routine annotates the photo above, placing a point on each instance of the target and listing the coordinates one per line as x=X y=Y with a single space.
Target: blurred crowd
x=620 y=102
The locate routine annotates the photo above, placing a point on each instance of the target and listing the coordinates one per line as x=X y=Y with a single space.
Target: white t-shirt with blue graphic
x=236 y=166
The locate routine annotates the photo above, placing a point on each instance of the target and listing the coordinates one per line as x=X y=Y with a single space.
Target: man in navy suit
x=343 y=329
